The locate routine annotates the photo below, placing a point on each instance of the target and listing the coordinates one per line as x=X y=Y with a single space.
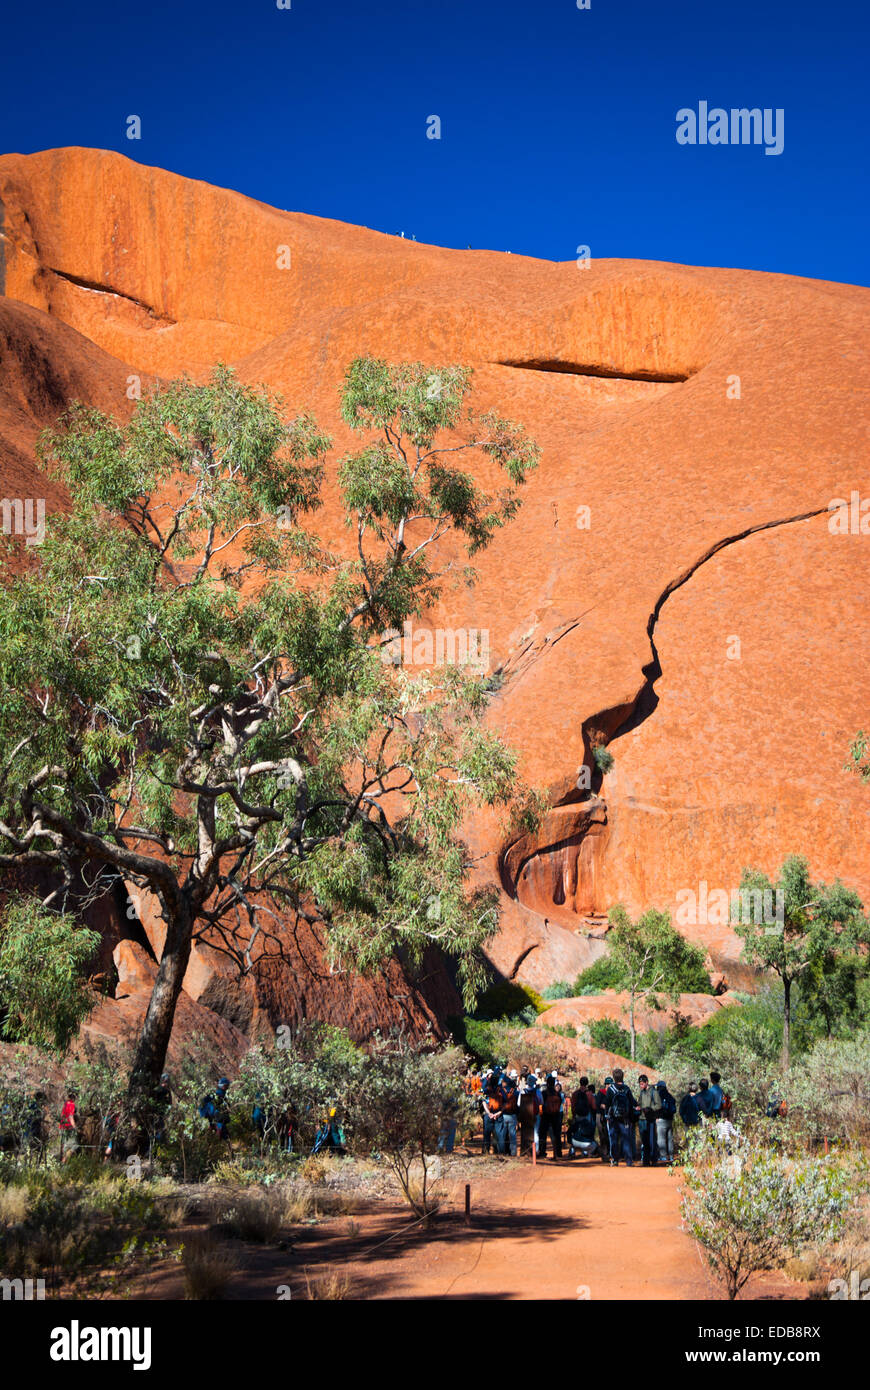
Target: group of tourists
x=525 y=1112
x=277 y=1124
x=528 y=1111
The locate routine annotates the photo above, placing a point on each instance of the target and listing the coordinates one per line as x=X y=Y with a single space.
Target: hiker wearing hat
x=509 y=1107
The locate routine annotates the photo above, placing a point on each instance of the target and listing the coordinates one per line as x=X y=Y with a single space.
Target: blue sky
x=558 y=124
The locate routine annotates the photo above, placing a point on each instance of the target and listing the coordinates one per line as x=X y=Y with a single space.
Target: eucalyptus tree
x=193 y=699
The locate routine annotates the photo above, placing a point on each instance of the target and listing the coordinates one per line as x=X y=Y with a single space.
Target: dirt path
x=549 y=1231
x=554 y=1231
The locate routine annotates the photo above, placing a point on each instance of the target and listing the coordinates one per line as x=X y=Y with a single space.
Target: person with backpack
x=583 y=1100
x=330 y=1137
x=529 y=1111
x=493 y=1126
x=601 y=1113
x=665 y=1123
x=650 y=1108
x=621 y=1111
x=690 y=1113
x=581 y=1131
x=717 y=1093
x=510 y=1101
x=705 y=1098
x=551 y=1117
x=214 y=1108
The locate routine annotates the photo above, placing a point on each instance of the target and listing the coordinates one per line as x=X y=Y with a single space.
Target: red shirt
x=67 y=1115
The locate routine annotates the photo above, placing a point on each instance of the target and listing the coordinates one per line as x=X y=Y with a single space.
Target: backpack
x=552 y=1103
x=509 y=1099
x=669 y=1105
x=208 y=1107
x=580 y=1104
x=726 y=1103
x=689 y=1111
x=528 y=1106
x=620 y=1106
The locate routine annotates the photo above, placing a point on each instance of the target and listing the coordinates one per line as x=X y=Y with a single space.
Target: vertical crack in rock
x=564 y=839
x=646 y=699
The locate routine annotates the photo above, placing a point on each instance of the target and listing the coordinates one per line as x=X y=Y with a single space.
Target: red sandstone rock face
x=579 y=1012
x=698 y=414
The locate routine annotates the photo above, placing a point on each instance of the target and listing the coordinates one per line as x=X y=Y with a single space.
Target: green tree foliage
x=602 y=974
x=192 y=695
x=44 y=991
x=821 y=928
x=651 y=960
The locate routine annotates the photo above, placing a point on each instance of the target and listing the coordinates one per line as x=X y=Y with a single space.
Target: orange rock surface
x=700 y=615
x=697 y=1008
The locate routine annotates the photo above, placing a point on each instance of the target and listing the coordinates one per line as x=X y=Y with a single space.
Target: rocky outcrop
x=578 y=1013
x=671 y=587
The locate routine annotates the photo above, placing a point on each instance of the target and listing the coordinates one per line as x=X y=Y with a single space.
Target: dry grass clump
x=314 y=1170
x=333 y=1285
x=208 y=1268
x=14 y=1204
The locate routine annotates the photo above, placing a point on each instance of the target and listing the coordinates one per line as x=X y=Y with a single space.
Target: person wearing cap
x=509 y=1107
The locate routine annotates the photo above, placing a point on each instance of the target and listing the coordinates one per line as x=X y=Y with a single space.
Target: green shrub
x=604 y=759
x=601 y=975
x=506 y=998
x=606 y=1033
x=561 y=989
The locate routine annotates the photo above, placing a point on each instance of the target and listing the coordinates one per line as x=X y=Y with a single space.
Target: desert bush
x=404 y=1095
x=755 y=1210
x=314 y=1169
x=301 y=1075
x=829 y=1092
x=604 y=759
